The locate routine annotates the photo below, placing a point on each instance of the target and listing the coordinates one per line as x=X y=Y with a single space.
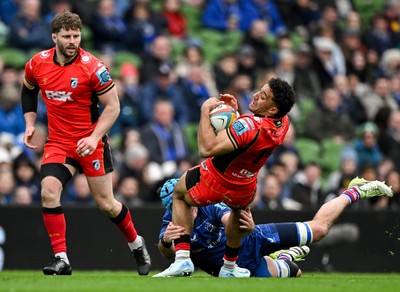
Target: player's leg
x=234 y=238
x=330 y=211
x=182 y=216
x=119 y=214
x=279 y=268
x=54 y=176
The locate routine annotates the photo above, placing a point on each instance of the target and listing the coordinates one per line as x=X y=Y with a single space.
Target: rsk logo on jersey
x=59 y=95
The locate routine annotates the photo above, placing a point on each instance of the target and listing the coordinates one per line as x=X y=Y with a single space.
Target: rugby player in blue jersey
x=267 y=250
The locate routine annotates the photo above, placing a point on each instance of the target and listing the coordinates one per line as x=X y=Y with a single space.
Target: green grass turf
x=115 y=281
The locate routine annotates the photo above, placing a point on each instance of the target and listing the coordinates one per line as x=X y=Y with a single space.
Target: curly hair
x=66 y=20
x=284 y=95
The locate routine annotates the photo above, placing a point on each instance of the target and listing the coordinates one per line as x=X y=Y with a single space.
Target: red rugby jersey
x=254 y=138
x=70 y=92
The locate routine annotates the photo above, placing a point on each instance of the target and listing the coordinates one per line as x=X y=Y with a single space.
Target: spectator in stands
x=128 y=192
x=256 y=37
x=7 y=186
x=55 y=7
x=222 y=15
x=328 y=120
x=225 y=69
x=395 y=88
x=246 y=58
x=241 y=87
x=306 y=83
x=351 y=104
x=163 y=86
x=266 y=10
x=350 y=41
x=195 y=92
x=11 y=115
x=158 y=55
x=109 y=30
x=390 y=62
x=379 y=38
x=8 y=9
x=129 y=116
x=78 y=192
x=389 y=139
x=269 y=195
x=193 y=56
x=366 y=146
x=26 y=174
x=176 y=21
x=163 y=137
x=307 y=186
x=357 y=65
x=143 y=26
x=323 y=62
x=339 y=179
x=28 y=30
x=302 y=17
x=378 y=97
x=22 y=196
x=392 y=178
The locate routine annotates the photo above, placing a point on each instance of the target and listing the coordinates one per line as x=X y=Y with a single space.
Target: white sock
x=182 y=254
x=230 y=265
x=136 y=243
x=63 y=256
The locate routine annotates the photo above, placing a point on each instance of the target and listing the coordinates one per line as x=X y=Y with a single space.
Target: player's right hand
x=173 y=232
x=28 y=137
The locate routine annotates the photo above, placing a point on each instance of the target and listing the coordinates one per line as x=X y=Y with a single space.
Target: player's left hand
x=246 y=221
x=229 y=99
x=86 y=146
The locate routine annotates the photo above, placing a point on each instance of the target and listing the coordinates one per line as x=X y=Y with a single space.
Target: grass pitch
x=116 y=281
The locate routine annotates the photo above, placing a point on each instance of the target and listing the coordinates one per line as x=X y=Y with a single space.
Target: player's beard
x=67 y=52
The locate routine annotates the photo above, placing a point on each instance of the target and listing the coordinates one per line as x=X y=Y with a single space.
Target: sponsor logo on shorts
x=103 y=75
x=96 y=164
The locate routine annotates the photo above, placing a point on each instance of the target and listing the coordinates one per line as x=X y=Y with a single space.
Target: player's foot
x=142 y=258
x=368 y=189
x=237 y=272
x=295 y=253
x=179 y=268
x=57 y=266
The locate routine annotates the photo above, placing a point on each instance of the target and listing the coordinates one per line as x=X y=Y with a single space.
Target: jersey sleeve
x=101 y=79
x=29 y=76
x=216 y=212
x=242 y=131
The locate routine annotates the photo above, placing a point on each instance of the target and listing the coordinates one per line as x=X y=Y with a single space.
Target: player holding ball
x=229 y=174
x=72 y=82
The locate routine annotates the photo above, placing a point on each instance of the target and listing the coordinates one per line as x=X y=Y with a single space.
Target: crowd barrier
x=361 y=241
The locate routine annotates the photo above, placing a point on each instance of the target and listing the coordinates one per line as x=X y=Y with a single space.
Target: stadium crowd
x=166 y=57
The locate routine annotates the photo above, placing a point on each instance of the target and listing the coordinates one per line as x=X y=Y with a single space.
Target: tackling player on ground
x=73 y=82
x=261 y=249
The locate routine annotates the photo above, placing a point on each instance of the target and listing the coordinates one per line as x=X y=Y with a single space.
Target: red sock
x=125 y=224
x=56 y=227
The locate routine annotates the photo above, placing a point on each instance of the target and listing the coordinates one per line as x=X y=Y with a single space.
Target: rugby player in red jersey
x=229 y=174
x=73 y=82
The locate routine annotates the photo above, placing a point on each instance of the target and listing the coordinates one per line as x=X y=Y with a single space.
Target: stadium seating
x=330 y=155
x=309 y=150
x=13 y=57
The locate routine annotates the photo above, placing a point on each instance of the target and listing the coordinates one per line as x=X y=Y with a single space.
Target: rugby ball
x=222 y=117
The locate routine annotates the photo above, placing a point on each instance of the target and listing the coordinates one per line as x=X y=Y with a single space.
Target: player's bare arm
x=87 y=145
x=171 y=233
x=211 y=143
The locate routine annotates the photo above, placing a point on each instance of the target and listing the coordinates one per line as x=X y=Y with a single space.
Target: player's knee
x=319 y=231
x=51 y=190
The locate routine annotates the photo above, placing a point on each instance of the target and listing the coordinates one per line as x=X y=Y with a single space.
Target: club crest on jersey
x=74 y=82
x=96 y=164
x=278 y=123
x=103 y=75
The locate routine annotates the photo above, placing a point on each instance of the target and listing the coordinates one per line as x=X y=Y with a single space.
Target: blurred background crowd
x=167 y=56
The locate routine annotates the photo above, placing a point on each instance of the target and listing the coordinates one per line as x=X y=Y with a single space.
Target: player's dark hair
x=66 y=20
x=284 y=95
